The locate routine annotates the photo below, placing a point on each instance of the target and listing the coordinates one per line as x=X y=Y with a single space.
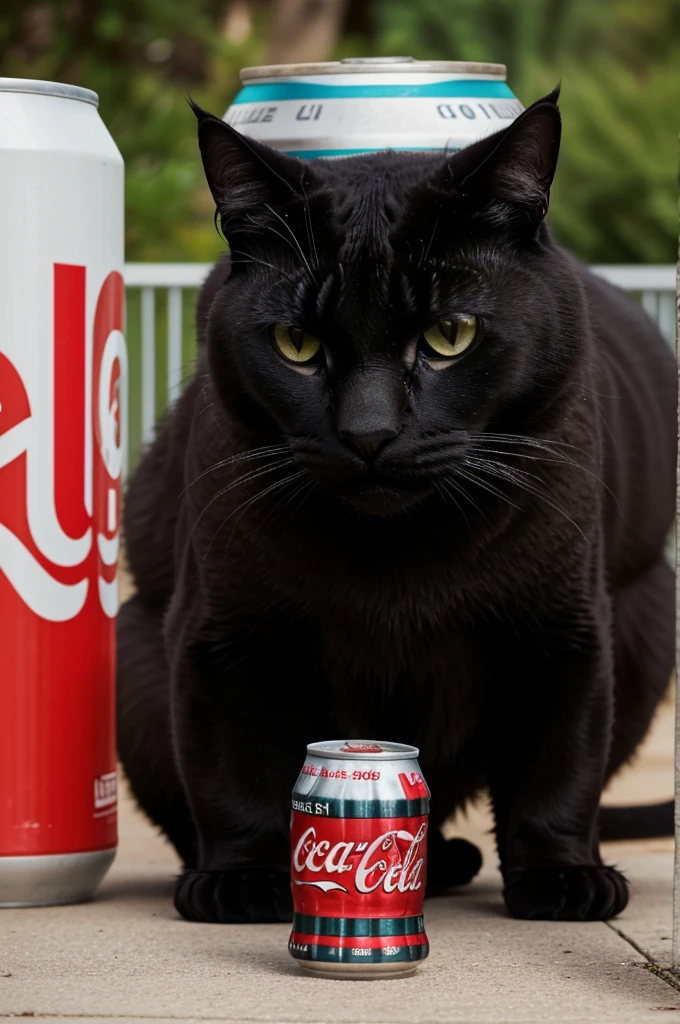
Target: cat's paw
x=255 y=895
x=584 y=892
x=451 y=862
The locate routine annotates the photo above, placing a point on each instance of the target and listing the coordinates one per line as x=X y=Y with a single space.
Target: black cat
x=418 y=489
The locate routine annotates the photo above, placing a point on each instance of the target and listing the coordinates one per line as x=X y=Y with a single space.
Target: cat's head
x=386 y=311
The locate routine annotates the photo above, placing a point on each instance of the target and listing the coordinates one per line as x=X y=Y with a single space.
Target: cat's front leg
x=552 y=714
x=238 y=746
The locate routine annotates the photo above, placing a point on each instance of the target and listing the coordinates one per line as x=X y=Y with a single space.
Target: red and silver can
x=359 y=856
x=63 y=374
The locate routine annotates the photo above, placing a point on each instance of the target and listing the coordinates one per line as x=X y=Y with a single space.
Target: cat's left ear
x=248 y=180
x=513 y=169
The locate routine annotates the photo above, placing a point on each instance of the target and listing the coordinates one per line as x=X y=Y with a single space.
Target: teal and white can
x=368 y=104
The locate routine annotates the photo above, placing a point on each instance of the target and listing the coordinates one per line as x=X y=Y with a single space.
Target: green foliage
x=614 y=198
x=615 y=194
x=143 y=58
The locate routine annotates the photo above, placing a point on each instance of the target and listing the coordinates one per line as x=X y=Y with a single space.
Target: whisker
x=308 y=222
x=535 y=442
x=245 y=478
x=254 y=259
x=557 y=457
x=275 y=506
x=561 y=461
x=543 y=444
x=249 y=502
x=445 y=493
x=209 y=407
x=459 y=489
x=294 y=237
x=424 y=255
x=474 y=479
x=510 y=472
x=268 y=227
x=494 y=469
x=301 y=487
x=249 y=456
x=267 y=490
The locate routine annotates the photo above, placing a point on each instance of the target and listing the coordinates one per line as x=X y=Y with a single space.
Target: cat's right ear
x=509 y=174
x=247 y=179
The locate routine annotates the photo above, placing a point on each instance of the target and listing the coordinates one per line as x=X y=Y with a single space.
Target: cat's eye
x=449 y=338
x=295 y=344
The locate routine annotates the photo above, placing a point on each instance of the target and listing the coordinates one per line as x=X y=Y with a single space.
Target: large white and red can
x=358 y=862
x=63 y=393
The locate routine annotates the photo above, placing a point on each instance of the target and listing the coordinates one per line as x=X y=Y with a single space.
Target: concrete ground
x=127 y=957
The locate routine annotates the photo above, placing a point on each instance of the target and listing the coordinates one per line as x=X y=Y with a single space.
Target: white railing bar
x=166 y=275
x=660 y=278
x=638 y=278
x=174 y=343
x=667 y=316
x=148 y=317
x=650 y=304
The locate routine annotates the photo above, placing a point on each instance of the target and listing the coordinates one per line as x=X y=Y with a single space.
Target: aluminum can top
x=60 y=89
x=374 y=65
x=363 y=105
x=363 y=750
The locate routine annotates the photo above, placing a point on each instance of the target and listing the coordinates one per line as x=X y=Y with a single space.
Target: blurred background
x=615 y=195
x=618 y=60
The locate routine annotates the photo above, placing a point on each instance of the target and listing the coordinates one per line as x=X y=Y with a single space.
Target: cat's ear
x=247 y=179
x=512 y=171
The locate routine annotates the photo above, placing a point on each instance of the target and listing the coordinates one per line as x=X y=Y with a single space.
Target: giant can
x=365 y=104
x=63 y=395
x=358 y=860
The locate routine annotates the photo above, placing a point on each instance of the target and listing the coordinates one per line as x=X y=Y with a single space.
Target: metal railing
x=147 y=279
x=161 y=337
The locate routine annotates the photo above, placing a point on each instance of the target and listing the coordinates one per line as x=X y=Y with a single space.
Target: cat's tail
x=647 y=821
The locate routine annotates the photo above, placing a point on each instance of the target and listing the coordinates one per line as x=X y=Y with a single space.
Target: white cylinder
x=63 y=416
x=362 y=105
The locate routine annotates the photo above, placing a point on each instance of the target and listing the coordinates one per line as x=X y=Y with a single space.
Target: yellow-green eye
x=450 y=338
x=294 y=344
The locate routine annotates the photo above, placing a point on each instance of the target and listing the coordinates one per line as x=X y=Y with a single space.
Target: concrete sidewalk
x=127 y=957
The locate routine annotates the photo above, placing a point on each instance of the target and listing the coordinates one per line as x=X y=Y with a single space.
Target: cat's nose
x=369 y=409
x=368 y=445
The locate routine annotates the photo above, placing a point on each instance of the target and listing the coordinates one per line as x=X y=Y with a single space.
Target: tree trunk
x=304 y=30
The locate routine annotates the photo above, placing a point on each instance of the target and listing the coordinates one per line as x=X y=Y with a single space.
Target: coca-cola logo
x=391 y=861
x=63 y=414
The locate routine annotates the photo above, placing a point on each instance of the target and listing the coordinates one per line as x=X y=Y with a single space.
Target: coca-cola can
x=63 y=374
x=365 y=104
x=358 y=860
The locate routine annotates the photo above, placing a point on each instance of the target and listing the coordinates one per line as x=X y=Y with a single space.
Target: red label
x=413 y=785
x=358 y=867
x=362 y=748
x=60 y=469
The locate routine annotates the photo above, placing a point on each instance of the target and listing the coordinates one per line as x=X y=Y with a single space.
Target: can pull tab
x=377 y=60
x=362 y=748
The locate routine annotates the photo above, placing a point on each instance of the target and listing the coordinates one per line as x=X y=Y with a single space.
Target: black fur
x=463 y=556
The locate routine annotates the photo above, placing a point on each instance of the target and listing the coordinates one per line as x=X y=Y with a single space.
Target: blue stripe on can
x=358 y=927
x=266 y=92
x=330 y=807
x=333 y=954
x=312 y=154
